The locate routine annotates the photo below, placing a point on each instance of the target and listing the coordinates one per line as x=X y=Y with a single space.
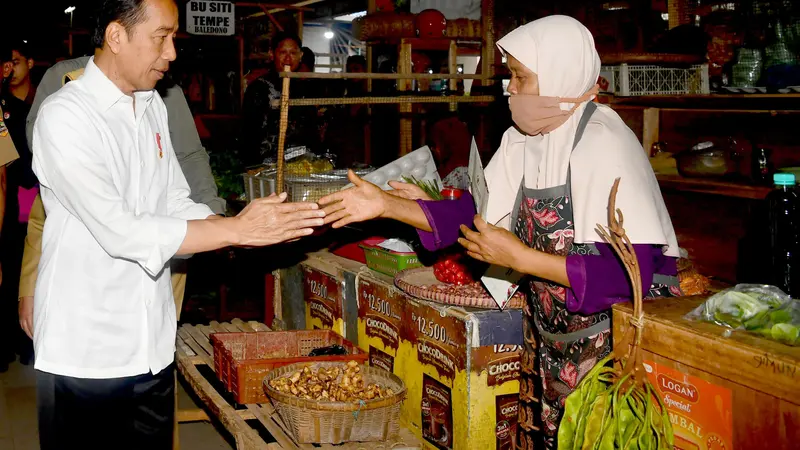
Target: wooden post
x=241 y=72
x=488 y=48
x=404 y=67
x=283 y=125
x=650 y=128
x=300 y=16
x=452 y=60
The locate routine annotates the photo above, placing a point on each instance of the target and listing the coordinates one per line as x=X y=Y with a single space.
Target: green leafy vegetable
x=430 y=187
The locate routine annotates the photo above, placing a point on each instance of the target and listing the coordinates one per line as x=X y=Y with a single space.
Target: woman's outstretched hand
x=364 y=201
x=493 y=245
x=408 y=191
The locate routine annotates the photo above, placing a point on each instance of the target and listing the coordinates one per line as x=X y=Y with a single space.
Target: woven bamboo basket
x=317 y=422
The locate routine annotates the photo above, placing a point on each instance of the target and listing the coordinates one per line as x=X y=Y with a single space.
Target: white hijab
x=561 y=51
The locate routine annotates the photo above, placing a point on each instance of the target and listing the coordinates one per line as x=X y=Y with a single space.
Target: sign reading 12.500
x=210 y=18
x=432 y=329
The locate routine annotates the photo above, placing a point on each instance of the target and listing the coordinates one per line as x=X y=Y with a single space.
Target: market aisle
x=18 y=430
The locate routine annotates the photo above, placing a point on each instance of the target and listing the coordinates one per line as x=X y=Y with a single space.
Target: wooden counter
x=754 y=382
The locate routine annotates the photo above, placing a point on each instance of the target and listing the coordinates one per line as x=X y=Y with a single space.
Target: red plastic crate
x=242 y=360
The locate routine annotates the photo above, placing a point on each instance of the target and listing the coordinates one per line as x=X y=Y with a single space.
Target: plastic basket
x=633 y=80
x=243 y=359
x=313 y=188
x=389 y=262
x=317 y=422
x=259 y=185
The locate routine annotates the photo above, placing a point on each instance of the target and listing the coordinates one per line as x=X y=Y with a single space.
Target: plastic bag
x=761 y=309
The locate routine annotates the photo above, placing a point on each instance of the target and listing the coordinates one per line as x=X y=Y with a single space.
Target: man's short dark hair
x=22 y=48
x=128 y=13
x=280 y=37
x=357 y=59
x=7 y=49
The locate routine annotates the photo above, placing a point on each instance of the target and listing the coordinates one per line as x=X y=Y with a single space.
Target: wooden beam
x=274 y=7
x=382 y=76
x=192 y=415
x=271 y=18
x=300 y=6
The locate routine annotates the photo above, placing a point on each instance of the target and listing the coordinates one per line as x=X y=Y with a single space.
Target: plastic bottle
x=783 y=228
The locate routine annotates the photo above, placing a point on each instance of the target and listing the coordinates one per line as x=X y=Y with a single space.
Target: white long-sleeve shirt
x=117 y=207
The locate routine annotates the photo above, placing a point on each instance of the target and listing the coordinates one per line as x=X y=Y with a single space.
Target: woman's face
x=523 y=81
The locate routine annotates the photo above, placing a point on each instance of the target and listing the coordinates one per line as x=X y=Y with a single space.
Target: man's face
x=356 y=67
x=144 y=53
x=287 y=53
x=19 y=68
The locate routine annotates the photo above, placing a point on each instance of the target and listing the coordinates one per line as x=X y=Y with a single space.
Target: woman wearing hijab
x=549 y=185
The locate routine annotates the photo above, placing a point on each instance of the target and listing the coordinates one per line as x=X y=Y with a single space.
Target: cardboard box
x=329 y=294
x=461 y=367
x=736 y=392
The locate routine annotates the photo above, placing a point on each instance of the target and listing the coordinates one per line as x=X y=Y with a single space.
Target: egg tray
x=418 y=164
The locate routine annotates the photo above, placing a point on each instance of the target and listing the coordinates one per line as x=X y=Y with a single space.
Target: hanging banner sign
x=210 y=18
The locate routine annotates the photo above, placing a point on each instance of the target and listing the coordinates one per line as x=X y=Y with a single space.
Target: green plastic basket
x=388 y=262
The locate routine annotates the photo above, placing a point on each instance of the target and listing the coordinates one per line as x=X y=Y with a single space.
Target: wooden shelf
x=712 y=187
x=732 y=102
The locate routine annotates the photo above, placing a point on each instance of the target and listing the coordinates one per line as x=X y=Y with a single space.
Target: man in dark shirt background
x=15 y=97
x=261 y=111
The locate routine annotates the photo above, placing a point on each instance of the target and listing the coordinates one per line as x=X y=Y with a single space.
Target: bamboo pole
x=452 y=63
x=406 y=100
x=404 y=66
x=283 y=125
x=382 y=76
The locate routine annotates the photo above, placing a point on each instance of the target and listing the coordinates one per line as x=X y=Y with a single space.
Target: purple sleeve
x=599 y=281
x=445 y=217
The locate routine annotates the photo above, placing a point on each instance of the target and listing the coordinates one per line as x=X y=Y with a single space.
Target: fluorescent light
x=69 y=10
x=328 y=34
x=350 y=17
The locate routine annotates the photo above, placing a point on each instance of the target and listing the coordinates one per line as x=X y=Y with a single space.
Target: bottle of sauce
x=783 y=226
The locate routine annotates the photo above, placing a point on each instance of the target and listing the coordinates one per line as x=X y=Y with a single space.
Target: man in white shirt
x=117 y=211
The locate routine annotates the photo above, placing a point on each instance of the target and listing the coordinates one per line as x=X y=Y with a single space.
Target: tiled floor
x=18 y=430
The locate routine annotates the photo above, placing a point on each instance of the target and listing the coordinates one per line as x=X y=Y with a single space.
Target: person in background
x=261 y=109
x=21 y=189
x=549 y=185
x=308 y=61
x=20 y=84
x=8 y=154
x=355 y=88
x=118 y=210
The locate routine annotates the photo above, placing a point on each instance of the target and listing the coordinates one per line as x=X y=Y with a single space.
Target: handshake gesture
x=269 y=221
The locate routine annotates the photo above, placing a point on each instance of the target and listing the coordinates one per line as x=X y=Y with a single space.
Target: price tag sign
x=502 y=283
x=210 y=18
x=477 y=181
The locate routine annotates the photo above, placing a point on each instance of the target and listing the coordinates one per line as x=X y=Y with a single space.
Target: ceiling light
x=328 y=34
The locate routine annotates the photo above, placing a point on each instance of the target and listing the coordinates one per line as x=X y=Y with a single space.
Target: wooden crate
x=736 y=392
x=246 y=423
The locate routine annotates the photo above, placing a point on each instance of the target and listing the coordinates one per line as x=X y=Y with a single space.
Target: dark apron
x=559 y=347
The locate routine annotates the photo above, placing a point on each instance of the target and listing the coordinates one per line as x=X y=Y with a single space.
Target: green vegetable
x=430 y=187
x=786 y=332
x=737 y=305
x=608 y=411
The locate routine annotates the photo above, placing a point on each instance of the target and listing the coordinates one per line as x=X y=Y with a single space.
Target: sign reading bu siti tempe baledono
x=210 y=18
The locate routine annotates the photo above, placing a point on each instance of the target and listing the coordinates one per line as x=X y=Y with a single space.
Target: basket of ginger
x=333 y=402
